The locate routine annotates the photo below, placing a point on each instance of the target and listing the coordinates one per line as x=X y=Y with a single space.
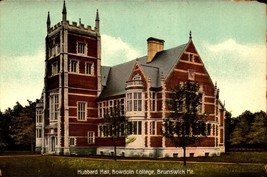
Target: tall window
x=91 y=137
x=100 y=111
x=153 y=101
x=89 y=68
x=38 y=133
x=39 y=116
x=81 y=111
x=81 y=48
x=122 y=106
x=191 y=57
x=135 y=128
x=74 y=66
x=153 y=128
x=134 y=101
x=54 y=68
x=200 y=107
x=54 y=107
x=110 y=107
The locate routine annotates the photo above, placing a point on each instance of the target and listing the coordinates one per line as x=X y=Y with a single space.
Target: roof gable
x=161 y=65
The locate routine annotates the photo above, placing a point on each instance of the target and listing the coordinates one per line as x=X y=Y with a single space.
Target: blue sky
x=229 y=36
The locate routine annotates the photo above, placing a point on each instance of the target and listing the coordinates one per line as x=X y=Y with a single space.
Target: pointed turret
x=97 y=26
x=64 y=12
x=48 y=22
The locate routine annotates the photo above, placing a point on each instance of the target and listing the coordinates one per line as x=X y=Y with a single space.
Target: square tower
x=71 y=86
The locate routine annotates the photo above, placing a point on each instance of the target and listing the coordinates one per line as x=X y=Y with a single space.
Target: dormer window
x=81 y=48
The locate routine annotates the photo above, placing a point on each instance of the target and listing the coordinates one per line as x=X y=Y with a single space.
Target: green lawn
x=76 y=166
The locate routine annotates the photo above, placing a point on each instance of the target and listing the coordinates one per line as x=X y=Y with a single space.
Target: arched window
x=137 y=77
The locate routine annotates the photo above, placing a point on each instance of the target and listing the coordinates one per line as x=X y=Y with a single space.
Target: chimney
x=154 y=46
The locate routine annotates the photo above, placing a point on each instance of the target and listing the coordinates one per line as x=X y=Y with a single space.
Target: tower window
x=81 y=48
x=74 y=66
x=89 y=68
x=81 y=111
x=54 y=68
x=53 y=107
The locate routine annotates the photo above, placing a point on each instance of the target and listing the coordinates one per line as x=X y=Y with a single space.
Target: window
x=50 y=52
x=208 y=129
x=39 y=116
x=137 y=77
x=110 y=107
x=153 y=128
x=105 y=108
x=54 y=68
x=137 y=102
x=81 y=111
x=129 y=101
x=100 y=112
x=191 y=74
x=91 y=137
x=53 y=106
x=72 y=141
x=200 y=107
x=81 y=48
x=53 y=50
x=135 y=128
x=89 y=68
x=153 y=101
x=191 y=57
x=122 y=107
x=38 y=133
x=74 y=66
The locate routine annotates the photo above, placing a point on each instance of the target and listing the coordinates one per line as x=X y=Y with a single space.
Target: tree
x=258 y=132
x=229 y=128
x=184 y=122
x=116 y=123
x=242 y=128
x=23 y=129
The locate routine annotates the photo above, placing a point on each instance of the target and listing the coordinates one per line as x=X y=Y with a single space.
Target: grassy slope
x=66 y=166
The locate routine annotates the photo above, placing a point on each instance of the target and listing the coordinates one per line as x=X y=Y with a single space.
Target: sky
x=229 y=36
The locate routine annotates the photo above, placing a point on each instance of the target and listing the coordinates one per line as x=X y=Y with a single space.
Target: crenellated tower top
x=72 y=25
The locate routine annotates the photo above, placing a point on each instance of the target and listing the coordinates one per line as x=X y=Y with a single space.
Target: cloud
x=240 y=71
x=116 y=51
x=21 y=78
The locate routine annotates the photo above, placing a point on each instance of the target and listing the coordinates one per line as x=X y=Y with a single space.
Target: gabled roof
x=160 y=66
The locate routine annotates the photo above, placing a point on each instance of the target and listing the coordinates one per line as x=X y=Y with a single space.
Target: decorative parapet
x=73 y=25
x=134 y=84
